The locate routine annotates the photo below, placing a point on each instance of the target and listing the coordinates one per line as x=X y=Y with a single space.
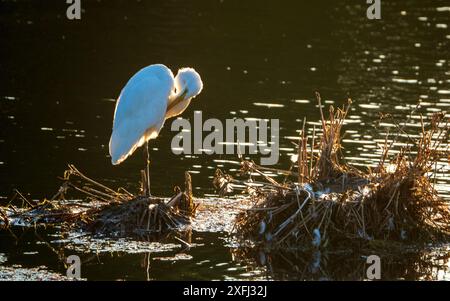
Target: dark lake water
x=258 y=59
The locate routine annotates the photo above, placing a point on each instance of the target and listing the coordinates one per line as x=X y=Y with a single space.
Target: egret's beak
x=177 y=100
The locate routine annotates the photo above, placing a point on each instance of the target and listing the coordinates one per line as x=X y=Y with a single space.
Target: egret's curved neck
x=175 y=99
x=187 y=85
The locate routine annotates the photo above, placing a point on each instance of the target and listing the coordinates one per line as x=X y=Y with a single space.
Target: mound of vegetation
x=325 y=202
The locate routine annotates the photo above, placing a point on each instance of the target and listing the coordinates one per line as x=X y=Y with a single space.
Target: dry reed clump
x=103 y=210
x=330 y=203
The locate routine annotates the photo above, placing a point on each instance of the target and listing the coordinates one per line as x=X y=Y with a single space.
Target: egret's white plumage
x=150 y=97
x=187 y=81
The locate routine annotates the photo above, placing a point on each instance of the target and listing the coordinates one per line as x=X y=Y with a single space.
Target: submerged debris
x=40 y=273
x=328 y=203
x=103 y=210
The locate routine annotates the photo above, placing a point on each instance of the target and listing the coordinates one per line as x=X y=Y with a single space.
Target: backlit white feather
x=141 y=108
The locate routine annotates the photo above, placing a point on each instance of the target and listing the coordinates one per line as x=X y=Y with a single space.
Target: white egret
x=150 y=97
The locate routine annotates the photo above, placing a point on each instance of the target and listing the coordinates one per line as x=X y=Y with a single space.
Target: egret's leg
x=147 y=156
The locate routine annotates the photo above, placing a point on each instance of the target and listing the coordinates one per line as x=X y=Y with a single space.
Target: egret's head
x=188 y=82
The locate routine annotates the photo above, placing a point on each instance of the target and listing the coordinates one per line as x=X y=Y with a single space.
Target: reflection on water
x=411 y=265
x=60 y=80
x=209 y=256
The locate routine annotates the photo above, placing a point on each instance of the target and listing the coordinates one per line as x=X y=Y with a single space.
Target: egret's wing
x=140 y=111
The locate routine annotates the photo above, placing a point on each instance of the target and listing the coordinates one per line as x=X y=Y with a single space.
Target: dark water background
x=59 y=79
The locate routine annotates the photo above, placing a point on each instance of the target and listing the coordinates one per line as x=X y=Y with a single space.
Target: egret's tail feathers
x=122 y=145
